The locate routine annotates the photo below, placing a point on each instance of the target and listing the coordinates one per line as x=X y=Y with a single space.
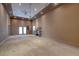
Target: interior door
x=20 y=30
x=24 y=30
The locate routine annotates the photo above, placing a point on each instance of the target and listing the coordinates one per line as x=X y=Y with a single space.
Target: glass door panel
x=20 y=30
x=24 y=30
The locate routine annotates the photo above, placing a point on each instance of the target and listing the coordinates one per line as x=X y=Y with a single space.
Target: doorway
x=22 y=30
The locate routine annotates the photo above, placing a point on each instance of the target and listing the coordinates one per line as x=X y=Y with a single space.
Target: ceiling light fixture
x=35 y=9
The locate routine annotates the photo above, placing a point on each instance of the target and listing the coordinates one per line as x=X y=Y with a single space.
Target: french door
x=22 y=30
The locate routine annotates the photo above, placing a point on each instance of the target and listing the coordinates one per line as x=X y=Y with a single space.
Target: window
x=34 y=28
x=22 y=30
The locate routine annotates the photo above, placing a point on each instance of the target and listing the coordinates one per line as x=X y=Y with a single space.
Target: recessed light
x=35 y=9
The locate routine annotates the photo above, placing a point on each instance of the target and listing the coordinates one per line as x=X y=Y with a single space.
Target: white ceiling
x=27 y=10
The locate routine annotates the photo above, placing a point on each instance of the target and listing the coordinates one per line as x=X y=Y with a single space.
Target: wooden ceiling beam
x=19 y=18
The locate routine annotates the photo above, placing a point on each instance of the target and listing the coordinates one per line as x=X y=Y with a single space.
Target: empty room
x=39 y=29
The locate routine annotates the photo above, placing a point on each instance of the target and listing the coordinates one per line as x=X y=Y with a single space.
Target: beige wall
x=15 y=23
x=3 y=23
x=61 y=24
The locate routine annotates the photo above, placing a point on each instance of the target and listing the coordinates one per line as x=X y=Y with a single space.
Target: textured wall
x=61 y=24
x=15 y=23
x=3 y=23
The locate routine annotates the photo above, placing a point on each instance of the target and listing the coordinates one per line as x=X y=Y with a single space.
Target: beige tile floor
x=21 y=45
